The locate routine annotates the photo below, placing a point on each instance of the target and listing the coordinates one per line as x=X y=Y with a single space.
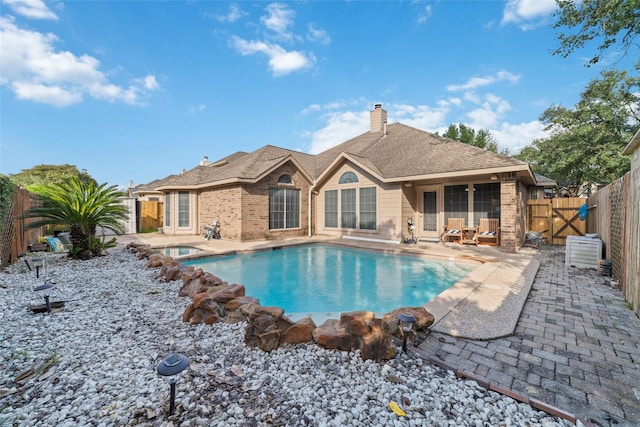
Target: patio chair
x=489 y=231
x=453 y=230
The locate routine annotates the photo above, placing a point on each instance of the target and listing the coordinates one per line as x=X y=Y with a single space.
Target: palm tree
x=81 y=206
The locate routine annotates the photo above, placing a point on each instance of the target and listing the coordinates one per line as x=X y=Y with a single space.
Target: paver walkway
x=576 y=346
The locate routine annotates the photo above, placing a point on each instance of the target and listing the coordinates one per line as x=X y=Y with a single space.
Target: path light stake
x=38 y=263
x=170 y=368
x=406 y=323
x=45 y=291
x=26 y=260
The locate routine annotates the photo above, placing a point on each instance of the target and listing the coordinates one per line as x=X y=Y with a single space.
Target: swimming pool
x=178 y=251
x=324 y=280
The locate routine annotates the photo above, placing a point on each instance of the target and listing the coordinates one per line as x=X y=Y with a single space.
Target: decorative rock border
x=214 y=300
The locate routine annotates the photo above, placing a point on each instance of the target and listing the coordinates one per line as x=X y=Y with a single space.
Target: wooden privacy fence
x=151 y=214
x=556 y=218
x=15 y=238
x=615 y=217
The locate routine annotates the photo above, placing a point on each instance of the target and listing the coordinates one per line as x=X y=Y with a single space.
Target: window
x=533 y=193
x=430 y=208
x=486 y=201
x=348 y=211
x=456 y=202
x=284 y=208
x=183 y=209
x=368 y=208
x=348 y=178
x=167 y=209
x=331 y=208
x=285 y=179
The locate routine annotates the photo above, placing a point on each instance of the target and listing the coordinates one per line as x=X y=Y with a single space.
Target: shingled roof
x=393 y=154
x=405 y=153
x=241 y=167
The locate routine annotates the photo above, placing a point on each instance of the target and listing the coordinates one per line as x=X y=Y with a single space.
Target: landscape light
x=26 y=260
x=406 y=321
x=45 y=291
x=171 y=368
x=38 y=263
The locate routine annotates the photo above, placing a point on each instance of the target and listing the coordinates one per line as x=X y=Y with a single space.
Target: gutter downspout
x=309 y=210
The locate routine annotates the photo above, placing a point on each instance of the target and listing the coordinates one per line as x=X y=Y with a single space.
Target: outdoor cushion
x=54 y=243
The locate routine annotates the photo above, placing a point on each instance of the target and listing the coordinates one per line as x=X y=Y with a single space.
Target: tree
x=611 y=22
x=40 y=176
x=82 y=207
x=586 y=142
x=482 y=138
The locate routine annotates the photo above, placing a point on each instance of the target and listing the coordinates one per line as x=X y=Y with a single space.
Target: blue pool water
x=320 y=280
x=177 y=251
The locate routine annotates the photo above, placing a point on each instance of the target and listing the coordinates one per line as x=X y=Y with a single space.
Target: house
x=367 y=187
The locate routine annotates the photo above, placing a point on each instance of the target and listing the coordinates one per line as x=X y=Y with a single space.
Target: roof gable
x=242 y=167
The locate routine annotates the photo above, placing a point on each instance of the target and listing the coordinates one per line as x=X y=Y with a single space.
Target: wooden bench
x=453 y=230
x=489 y=231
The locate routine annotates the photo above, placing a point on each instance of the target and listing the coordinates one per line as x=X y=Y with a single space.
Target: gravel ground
x=93 y=363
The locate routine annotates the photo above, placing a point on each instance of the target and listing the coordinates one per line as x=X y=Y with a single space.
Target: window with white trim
x=167 y=209
x=348 y=207
x=284 y=208
x=331 y=208
x=183 y=209
x=367 y=208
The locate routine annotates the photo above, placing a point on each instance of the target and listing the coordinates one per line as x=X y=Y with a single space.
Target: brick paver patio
x=576 y=347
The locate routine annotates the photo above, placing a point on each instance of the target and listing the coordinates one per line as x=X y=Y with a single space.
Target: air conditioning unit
x=583 y=252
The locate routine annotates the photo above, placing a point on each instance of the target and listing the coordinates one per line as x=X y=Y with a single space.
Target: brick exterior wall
x=509 y=213
x=243 y=209
x=521 y=225
x=222 y=204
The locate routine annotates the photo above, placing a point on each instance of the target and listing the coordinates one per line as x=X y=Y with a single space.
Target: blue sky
x=140 y=90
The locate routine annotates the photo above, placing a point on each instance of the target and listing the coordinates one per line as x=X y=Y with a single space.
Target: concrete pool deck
x=486 y=304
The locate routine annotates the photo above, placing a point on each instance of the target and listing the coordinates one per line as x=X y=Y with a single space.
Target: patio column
x=509 y=213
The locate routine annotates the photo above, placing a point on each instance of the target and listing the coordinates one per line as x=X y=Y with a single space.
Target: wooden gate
x=556 y=219
x=151 y=215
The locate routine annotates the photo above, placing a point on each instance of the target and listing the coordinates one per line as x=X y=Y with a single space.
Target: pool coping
x=459 y=311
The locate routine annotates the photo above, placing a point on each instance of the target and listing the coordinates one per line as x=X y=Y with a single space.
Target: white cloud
x=233 y=15
x=424 y=14
x=36 y=71
x=341 y=122
x=517 y=136
x=340 y=127
x=151 y=83
x=310 y=109
x=52 y=95
x=278 y=19
x=34 y=9
x=347 y=122
x=281 y=61
x=527 y=13
x=197 y=108
x=490 y=111
x=476 y=82
x=317 y=34
x=420 y=116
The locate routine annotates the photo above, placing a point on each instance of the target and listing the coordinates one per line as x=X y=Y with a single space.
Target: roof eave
x=633 y=144
x=463 y=173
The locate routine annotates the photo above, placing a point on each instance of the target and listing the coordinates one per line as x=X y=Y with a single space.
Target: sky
x=139 y=90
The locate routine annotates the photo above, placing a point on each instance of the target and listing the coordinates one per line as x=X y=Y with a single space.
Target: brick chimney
x=378 y=118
